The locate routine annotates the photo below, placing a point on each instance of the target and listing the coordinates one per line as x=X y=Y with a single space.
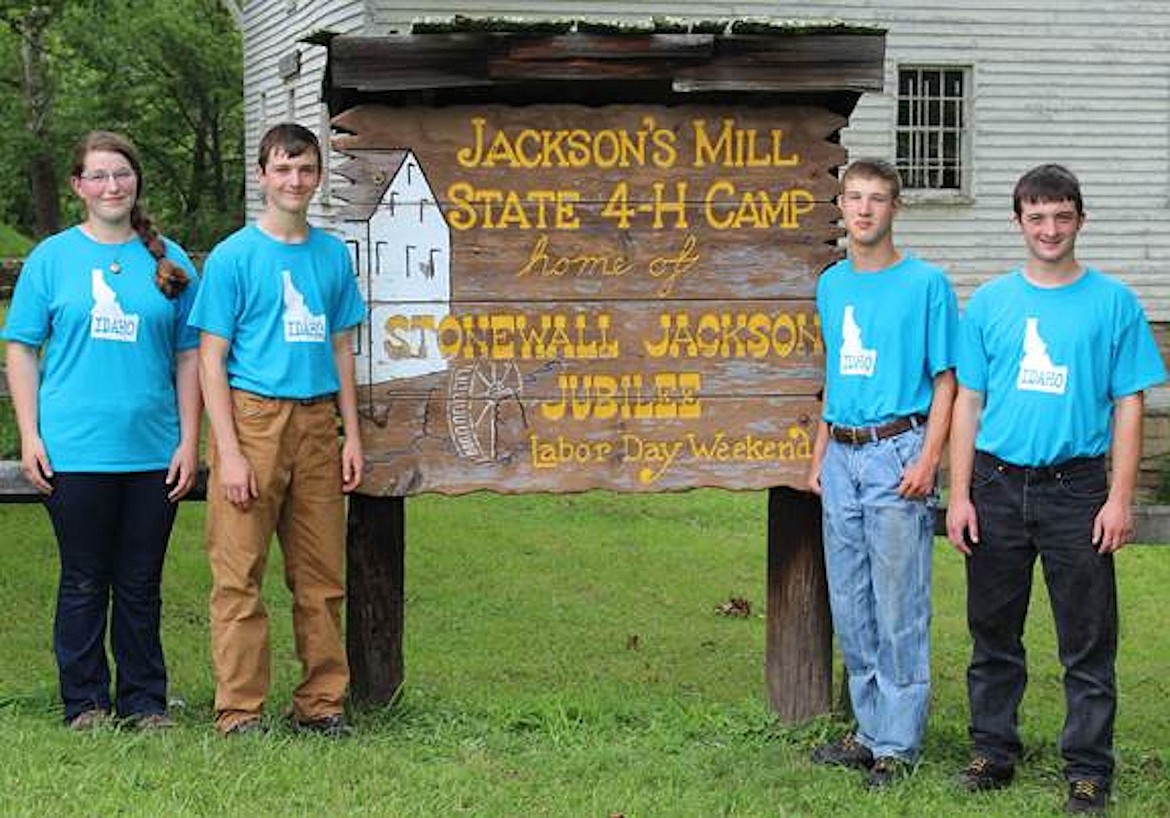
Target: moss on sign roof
x=635 y=25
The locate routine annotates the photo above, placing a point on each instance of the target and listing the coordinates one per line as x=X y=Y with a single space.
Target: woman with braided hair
x=103 y=374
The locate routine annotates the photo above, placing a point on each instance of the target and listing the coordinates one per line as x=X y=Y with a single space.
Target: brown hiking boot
x=846 y=751
x=981 y=774
x=1086 y=797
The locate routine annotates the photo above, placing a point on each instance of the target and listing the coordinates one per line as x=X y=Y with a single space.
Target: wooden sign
x=566 y=297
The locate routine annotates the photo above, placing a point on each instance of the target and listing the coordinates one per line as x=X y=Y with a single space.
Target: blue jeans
x=878 y=560
x=112 y=531
x=1049 y=512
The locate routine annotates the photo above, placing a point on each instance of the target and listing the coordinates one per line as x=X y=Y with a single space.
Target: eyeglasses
x=121 y=176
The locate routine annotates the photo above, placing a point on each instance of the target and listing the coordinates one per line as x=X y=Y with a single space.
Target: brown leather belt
x=313 y=401
x=330 y=397
x=860 y=435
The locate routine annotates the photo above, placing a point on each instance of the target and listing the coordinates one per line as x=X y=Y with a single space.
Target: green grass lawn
x=527 y=693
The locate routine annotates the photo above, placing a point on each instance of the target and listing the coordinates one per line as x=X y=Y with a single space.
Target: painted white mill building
x=976 y=92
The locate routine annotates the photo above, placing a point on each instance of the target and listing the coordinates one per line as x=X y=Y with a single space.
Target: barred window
x=933 y=128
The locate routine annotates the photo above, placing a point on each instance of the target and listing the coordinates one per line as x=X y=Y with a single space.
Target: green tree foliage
x=15 y=140
x=168 y=75
x=29 y=24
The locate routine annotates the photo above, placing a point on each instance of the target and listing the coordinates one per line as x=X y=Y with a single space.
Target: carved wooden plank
x=646 y=267
x=565 y=298
x=744 y=197
x=732 y=348
x=652 y=441
x=590 y=150
x=596 y=259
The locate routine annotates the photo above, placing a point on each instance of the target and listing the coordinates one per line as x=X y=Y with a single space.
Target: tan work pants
x=293 y=450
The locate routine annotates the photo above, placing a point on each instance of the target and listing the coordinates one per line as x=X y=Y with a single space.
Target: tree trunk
x=38 y=99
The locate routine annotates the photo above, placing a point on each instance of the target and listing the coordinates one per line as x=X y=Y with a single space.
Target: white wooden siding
x=1087 y=85
x=273 y=29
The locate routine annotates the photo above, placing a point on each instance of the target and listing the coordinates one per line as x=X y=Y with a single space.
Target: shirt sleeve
x=29 y=318
x=186 y=336
x=1137 y=364
x=971 y=358
x=349 y=309
x=214 y=306
x=944 y=326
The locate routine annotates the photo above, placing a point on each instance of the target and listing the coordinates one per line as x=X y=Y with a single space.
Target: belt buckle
x=853 y=438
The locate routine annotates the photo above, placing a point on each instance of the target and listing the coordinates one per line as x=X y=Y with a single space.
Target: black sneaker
x=846 y=751
x=984 y=774
x=886 y=770
x=1086 y=797
x=331 y=726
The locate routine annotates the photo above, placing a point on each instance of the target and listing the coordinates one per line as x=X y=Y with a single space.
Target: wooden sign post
x=568 y=296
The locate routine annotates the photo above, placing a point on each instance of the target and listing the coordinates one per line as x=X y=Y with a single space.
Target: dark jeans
x=1048 y=511
x=112 y=531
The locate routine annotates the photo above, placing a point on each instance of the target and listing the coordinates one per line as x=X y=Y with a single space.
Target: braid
x=170 y=278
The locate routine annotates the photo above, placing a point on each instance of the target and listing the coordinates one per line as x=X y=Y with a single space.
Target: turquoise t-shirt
x=279 y=305
x=106 y=400
x=1050 y=361
x=887 y=334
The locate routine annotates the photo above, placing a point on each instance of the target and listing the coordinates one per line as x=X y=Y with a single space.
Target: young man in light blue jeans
x=889 y=323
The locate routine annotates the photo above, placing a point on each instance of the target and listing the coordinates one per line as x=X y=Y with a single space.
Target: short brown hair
x=874 y=169
x=1048 y=183
x=292 y=139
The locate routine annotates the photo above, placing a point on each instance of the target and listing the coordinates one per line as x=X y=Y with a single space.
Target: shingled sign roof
x=464 y=59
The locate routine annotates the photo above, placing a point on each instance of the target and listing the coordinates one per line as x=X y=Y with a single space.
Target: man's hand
x=814 y=478
x=237 y=481
x=917 y=481
x=962 y=525
x=352 y=464
x=1113 y=526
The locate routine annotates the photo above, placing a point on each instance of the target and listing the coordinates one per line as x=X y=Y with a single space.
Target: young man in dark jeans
x=1053 y=361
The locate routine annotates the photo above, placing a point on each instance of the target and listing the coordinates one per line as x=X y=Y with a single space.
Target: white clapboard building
x=976 y=92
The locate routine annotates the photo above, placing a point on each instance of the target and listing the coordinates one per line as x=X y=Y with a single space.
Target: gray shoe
x=90 y=719
x=149 y=722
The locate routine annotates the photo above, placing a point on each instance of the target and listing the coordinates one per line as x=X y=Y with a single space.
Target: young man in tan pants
x=276 y=365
